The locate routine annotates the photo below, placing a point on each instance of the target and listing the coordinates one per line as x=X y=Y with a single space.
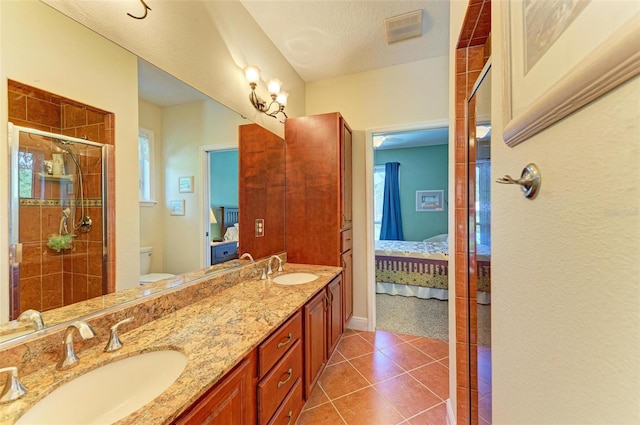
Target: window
x=146 y=184
x=378 y=198
x=25 y=174
x=483 y=202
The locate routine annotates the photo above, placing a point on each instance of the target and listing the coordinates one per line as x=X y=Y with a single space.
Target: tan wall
x=204 y=44
x=565 y=269
x=186 y=128
x=151 y=216
x=89 y=70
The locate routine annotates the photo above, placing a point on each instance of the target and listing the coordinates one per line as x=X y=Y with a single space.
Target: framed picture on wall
x=185 y=184
x=177 y=207
x=429 y=200
x=555 y=62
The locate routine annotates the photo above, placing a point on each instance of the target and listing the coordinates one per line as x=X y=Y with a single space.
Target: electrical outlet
x=259 y=227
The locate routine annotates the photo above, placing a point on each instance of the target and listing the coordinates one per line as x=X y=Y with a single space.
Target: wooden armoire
x=318 y=196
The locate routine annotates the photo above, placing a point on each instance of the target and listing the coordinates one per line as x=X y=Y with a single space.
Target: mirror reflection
x=480 y=244
x=183 y=127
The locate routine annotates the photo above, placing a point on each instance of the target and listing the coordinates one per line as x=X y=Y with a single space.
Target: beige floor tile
x=340 y=379
x=367 y=407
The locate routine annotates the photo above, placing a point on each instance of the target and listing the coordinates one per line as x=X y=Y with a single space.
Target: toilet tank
x=145 y=259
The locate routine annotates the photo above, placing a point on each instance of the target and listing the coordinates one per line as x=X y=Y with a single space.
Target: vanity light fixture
x=278 y=97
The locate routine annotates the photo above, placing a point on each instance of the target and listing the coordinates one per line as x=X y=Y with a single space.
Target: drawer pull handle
x=283 y=343
x=290 y=373
x=289 y=415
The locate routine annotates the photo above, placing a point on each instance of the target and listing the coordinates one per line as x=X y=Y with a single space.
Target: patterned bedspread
x=421 y=264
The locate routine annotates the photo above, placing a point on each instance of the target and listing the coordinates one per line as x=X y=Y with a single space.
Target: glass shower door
x=57 y=226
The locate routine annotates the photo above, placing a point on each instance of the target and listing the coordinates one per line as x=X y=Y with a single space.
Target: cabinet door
x=231 y=401
x=347 y=287
x=334 y=291
x=315 y=337
x=345 y=175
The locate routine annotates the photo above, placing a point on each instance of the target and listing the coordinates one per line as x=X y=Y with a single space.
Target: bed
x=421 y=269
x=225 y=248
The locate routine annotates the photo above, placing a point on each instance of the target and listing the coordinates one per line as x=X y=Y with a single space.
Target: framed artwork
x=177 y=207
x=429 y=200
x=561 y=55
x=185 y=184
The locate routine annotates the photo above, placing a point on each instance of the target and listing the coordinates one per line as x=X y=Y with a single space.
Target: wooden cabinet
x=281 y=372
x=318 y=188
x=315 y=339
x=318 y=196
x=334 y=319
x=322 y=330
x=261 y=195
x=230 y=401
x=223 y=251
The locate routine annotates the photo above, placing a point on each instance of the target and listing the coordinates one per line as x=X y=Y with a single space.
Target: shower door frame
x=15 y=247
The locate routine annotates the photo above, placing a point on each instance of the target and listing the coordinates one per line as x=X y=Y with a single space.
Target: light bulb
x=274 y=86
x=282 y=98
x=252 y=74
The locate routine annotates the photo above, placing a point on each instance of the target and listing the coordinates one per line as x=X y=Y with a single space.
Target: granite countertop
x=215 y=334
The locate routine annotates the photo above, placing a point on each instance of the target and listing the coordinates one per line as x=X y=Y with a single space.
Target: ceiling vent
x=403 y=27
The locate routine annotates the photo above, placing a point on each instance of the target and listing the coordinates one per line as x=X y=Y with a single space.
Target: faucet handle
x=68 y=358
x=264 y=274
x=35 y=316
x=13 y=388
x=114 y=343
x=269 y=271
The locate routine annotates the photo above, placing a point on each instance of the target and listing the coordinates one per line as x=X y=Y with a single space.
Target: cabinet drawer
x=272 y=350
x=273 y=389
x=347 y=240
x=223 y=252
x=291 y=407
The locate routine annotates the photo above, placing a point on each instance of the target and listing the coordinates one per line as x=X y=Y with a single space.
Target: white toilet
x=145 y=265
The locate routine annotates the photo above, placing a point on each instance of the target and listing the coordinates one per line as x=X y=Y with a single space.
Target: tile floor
x=382 y=378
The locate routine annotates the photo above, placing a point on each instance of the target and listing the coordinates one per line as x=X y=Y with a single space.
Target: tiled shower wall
x=48 y=279
x=473 y=50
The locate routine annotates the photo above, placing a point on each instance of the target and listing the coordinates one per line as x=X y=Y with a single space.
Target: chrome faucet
x=35 y=316
x=13 y=388
x=114 y=343
x=68 y=358
x=247 y=255
x=279 y=264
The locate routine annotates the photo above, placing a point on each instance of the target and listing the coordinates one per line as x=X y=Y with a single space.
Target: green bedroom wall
x=422 y=168
x=223 y=183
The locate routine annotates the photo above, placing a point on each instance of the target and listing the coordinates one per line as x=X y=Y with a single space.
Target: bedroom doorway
x=220 y=181
x=408 y=267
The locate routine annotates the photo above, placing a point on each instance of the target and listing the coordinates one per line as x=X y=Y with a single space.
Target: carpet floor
x=427 y=318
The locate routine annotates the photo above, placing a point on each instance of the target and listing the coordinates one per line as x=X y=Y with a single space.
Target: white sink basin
x=109 y=393
x=295 y=278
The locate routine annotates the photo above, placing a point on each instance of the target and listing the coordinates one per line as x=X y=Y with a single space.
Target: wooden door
x=346 y=175
x=347 y=287
x=315 y=337
x=232 y=401
x=334 y=291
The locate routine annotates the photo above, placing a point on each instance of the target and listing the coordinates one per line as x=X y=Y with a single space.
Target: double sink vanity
x=229 y=347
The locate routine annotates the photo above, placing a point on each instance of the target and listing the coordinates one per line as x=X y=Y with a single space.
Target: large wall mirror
x=479 y=242
x=178 y=220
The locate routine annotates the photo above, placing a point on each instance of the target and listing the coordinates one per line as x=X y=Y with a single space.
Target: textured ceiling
x=330 y=38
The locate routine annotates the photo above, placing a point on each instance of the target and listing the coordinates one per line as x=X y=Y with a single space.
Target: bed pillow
x=444 y=237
